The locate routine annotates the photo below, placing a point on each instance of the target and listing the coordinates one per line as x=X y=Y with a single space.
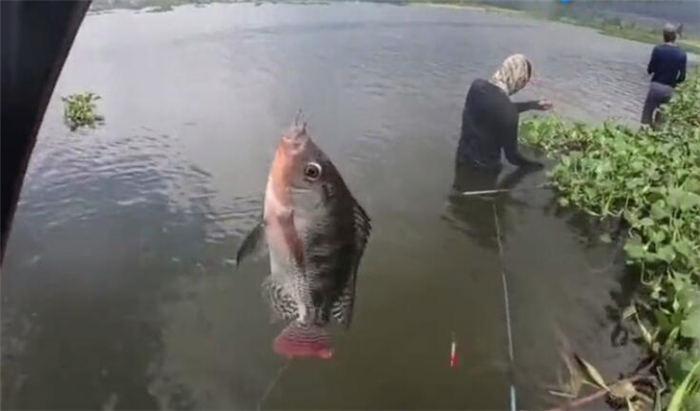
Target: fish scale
x=282 y=304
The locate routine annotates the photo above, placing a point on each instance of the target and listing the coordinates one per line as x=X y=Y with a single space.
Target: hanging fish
x=316 y=233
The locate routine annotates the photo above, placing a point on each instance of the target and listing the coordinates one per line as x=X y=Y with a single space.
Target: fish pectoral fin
x=253 y=244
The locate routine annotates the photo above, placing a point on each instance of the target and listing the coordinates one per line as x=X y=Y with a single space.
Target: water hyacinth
x=80 y=111
x=650 y=178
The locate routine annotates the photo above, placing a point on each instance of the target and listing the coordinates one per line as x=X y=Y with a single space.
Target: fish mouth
x=294 y=140
x=298 y=189
x=296 y=133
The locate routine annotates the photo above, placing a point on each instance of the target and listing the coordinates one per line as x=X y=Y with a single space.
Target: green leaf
x=682 y=390
x=693 y=184
x=666 y=253
x=634 y=248
x=646 y=222
x=660 y=210
x=678 y=198
x=662 y=320
x=689 y=296
x=689 y=200
x=683 y=247
x=679 y=364
x=658 y=237
x=690 y=327
x=605 y=238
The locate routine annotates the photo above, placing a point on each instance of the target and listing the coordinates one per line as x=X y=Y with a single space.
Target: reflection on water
x=118 y=289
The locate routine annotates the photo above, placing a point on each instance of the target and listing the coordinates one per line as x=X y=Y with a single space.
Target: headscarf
x=513 y=74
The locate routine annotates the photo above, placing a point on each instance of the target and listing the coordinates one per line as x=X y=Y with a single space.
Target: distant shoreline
x=619 y=28
x=628 y=31
x=468 y=6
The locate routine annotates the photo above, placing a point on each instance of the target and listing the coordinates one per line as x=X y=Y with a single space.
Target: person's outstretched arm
x=509 y=142
x=540 y=105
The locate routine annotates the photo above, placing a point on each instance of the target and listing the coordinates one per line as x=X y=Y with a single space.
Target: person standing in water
x=490 y=125
x=667 y=67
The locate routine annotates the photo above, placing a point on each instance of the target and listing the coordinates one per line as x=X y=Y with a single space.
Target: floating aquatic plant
x=649 y=178
x=80 y=111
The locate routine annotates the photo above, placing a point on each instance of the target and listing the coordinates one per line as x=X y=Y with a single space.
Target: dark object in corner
x=36 y=37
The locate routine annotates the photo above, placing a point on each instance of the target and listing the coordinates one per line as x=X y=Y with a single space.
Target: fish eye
x=312 y=171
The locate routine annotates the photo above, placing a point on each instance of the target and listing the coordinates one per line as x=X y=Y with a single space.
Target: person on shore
x=667 y=67
x=490 y=119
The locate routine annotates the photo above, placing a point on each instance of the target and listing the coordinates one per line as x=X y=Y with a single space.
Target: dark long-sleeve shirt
x=667 y=64
x=489 y=125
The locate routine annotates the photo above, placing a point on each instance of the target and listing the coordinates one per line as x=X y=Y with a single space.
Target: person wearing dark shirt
x=667 y=67
x=490 y=123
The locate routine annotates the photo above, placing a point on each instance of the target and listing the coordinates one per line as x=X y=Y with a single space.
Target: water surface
x=118 y=289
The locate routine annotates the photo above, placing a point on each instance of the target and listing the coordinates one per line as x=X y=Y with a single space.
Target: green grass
x=650 y=179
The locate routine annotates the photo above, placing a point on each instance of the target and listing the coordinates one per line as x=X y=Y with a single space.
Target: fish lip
x=298 y=189
x=296 y=133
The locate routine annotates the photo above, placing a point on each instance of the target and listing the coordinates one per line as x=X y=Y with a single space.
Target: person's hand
x=544 y=105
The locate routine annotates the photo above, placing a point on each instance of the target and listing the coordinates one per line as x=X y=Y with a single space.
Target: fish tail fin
x=303 y=340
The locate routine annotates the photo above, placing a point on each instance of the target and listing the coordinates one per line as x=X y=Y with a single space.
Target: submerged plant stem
x=601 y=393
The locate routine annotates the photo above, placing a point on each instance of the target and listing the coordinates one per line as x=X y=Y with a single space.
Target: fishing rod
x=504 y=190
x=506 y=306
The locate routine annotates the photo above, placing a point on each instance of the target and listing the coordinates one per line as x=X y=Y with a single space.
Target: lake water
x=118 y=290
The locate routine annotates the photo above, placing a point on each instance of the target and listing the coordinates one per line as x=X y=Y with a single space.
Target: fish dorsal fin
x=363 y=227
x=342 y=309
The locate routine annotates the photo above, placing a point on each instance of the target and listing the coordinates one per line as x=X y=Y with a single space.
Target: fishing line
x=272 y=385
x=507 y=308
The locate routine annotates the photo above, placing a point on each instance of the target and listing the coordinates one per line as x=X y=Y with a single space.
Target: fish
x=315 y=233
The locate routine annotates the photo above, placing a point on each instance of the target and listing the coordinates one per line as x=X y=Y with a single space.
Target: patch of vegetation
x=80 y=111
x=465 y=4
x=630 y=31
x=160 y=9
x=542 y=10
x=616 y=27
x=160 y=6
x=153 y=6
x=650 y=179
